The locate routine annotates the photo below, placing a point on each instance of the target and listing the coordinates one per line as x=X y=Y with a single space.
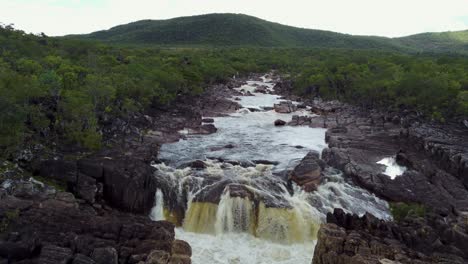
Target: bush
x=402 y=210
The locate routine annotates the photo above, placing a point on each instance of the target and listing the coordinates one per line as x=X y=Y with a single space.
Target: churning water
x=236 y=211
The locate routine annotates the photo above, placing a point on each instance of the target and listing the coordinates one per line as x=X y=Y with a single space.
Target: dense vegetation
x=402 y=210
x=61 y=90
x=242 y=30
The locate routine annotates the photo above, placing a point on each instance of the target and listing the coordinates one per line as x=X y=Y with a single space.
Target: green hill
x=232 y=30
x=456 y=41
x=242 y=30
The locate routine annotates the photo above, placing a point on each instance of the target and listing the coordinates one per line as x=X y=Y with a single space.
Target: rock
x=14 y=251
x=158 y=257
x=106 y=255
x=82 y=259
x=197 y=164
x=285 y=107
x=177 y=259
x=129 y=185
x=86 y=188
x=60 y=170
x=347 y=238
x=208 y=120
x=265 y=162
x=207 y=129
x=280 y=122
x=308 y=173
x=338 y=130
x=51 y=254
x=261 y=89
x=181 y=247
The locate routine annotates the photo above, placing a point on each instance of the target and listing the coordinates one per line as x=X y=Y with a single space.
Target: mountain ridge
x=228 y=29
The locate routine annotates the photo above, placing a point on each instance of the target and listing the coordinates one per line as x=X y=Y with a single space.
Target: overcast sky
x=390 y=18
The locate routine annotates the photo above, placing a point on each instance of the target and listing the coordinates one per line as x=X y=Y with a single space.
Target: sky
x=391 y=18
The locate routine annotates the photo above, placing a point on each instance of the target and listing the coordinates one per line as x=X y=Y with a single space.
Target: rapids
x=235 y=210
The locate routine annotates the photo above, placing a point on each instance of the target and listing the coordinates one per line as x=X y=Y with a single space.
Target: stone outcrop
x=57 y=228
x=126 y=183
x=351 y=239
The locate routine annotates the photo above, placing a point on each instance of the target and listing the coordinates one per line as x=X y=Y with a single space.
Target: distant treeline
x=60 y=90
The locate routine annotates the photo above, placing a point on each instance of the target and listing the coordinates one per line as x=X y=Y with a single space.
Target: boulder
x=158 y=257
x=285 y=107
x=51 y=254
x=280 y=122
x=180 y=247
x=82 y=259
x=105 y=255
x=308 y=172
x=208 y=120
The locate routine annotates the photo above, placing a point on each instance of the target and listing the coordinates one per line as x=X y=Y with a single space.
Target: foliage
x=228 y=30
x=62 y=90
x=402 y=210
x=9 y=217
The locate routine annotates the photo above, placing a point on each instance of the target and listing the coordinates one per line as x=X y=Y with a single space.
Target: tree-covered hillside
x=215 y=30
x=453 y=42
x=233 y=30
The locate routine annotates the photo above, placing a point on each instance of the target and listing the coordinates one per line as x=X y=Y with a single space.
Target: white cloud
x=363 y=17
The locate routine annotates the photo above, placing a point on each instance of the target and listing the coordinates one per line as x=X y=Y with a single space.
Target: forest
x=61 y=90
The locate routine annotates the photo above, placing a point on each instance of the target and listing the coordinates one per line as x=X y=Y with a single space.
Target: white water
x=225 y=232
x=392 y=169
x=157 y=212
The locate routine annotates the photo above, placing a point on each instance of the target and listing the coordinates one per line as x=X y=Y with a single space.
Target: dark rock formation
x=60 y=229
x=279 y=122
x=285 y=107
x=351 y=239
x=309 y=171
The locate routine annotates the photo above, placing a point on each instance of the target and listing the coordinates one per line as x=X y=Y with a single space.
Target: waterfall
x=157 y=212
x=234 y=210
x=235 y=214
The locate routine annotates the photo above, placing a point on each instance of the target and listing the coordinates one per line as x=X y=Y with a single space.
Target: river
x=238 y=211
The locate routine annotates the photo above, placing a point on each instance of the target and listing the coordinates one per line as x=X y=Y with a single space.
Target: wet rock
x=280 y=122
x=158 y=257
x=106 y=255
x=285 y=107
x=300 y=121
x=265 y=162
x=308 y=173
x=206 y=129
x=180 y=247
x=197 y=164
x=208 y=120
x=261 y=89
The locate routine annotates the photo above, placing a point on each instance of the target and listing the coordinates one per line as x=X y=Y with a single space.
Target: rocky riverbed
x=432 y=160
x=244 y=176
